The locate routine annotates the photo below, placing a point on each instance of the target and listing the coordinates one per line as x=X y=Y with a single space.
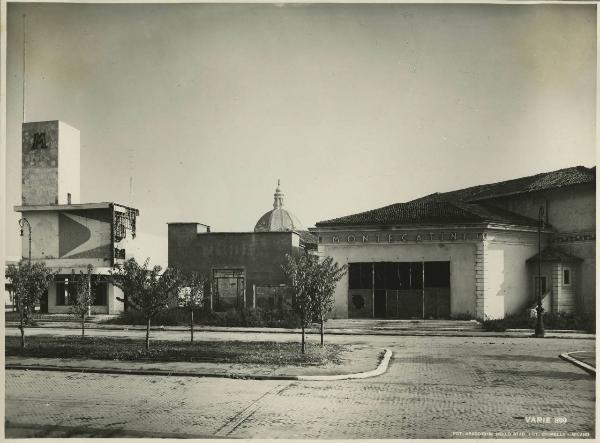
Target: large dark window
x=437 y=274
x=416 y=275
x=387 y=276
x=404 y=275
x=99 y=291
x=360 y=275
x=66 y=290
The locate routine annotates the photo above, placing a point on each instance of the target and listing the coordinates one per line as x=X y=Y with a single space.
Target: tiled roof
x=555 y=255
x=443 y=212
x=466 y=205
x=540 y=182
x=307 y=238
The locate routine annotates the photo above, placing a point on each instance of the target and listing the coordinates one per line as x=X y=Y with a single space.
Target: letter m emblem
x=39 y=141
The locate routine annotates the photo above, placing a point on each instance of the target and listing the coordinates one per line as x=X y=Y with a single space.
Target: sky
x=203 y=107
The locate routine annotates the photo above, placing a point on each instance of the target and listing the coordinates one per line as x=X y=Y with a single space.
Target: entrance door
x=410 y=295
x=437 y=289
x=44 y=302
x=379 y=300
x=229 y=285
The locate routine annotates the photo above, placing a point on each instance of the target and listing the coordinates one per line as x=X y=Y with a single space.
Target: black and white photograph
x=300 y=221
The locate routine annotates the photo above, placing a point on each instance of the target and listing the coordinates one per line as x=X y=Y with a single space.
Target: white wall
x=509 y=275
x=460 y=255
x=570 y=209
x=69 y=163
x=146 y=246
x=44 y=235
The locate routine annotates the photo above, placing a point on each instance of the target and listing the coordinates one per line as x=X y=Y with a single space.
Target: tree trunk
x=148 y=335
x=192 y=326
x=322 y=330
x=83 y=325
x=303 y=341
x=22 y=330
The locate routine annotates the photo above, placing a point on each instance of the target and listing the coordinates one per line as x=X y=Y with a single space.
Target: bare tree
x=149 y=291
x=83 y=299
x=29 y=281
x=192 y=296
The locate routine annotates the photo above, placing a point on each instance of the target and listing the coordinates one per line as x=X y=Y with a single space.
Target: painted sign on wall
x=400 y=237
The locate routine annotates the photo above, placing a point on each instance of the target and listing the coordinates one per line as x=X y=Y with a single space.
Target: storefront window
x=66 y=291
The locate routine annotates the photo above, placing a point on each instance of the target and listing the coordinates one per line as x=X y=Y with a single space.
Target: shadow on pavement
x=21 y=430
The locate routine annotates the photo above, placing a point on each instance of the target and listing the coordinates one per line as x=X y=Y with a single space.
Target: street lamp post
x=22 y=222
x=539 y=325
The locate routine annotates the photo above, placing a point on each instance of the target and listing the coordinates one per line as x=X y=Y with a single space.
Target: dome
x=278 y=219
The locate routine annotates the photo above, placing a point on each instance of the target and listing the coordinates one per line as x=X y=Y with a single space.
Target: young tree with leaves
x=84 y=295
x=148 y=291
x=192 y=296
x=326 y=274
x=29 y=281
x=299 y=270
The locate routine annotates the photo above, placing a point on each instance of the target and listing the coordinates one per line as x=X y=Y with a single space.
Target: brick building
x=245 y=268
x=473 y=251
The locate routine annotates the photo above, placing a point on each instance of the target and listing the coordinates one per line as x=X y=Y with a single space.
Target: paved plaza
x=435 y=387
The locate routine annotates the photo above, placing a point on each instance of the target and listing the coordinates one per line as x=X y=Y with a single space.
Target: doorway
x=379 y=307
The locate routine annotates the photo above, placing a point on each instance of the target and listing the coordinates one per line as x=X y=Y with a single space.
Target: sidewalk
x=447 y=332
x=357 y=362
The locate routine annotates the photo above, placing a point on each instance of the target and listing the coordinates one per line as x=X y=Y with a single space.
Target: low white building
x=471 y=252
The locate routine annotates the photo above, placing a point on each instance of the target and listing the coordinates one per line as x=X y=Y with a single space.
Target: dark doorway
x=437 y=289
x=229 y=285
x=410 y=300
x=379 y=306
x=405 y=290
x=44 y=302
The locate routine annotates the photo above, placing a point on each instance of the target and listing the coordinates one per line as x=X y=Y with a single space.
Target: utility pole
x=24 y=60
x=539 y=326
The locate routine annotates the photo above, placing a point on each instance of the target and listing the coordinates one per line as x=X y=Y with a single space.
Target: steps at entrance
x=405 y=325
x=66 y=318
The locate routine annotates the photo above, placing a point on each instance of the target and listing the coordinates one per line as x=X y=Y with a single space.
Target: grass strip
x=126 y=349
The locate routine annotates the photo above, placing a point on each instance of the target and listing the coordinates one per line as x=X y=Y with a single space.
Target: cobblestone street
x=435 y=387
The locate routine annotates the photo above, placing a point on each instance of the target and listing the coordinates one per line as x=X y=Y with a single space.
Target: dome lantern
x=278 y=219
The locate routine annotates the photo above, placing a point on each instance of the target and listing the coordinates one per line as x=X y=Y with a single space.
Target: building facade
x=471 y=252
x=244 y=268
x=66 y=235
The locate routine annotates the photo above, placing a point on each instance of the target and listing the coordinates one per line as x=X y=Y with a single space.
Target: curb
x=587 y=368
x=381 y=368
x=383 y=365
